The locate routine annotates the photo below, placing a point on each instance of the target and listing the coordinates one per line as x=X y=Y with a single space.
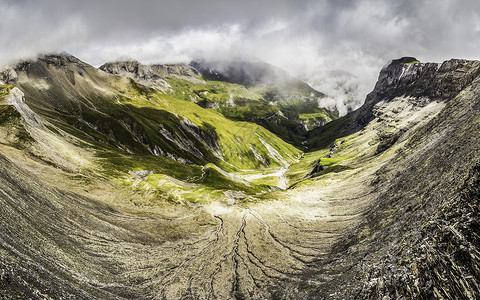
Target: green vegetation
x=9 y=115
x=190 y=135
x=276 y=109
x=346 y=153
x=212 y=177
x=301 y=170
x=115 y=164
x=319 y=116
x=210 y=91
x=406 y=60
x=5 y=90
x=268 y=181
x=11 y=122
x=234 y=138
x=322 y=137
x=126 y=129
x=413 y=62
x=11 y=125
x=138 y=123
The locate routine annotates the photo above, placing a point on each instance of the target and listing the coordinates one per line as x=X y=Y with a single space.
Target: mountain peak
x=437 y=81
x=59 y=60
x=150 y=75
x=405 y=60
x=130 y=66
x=408 y=78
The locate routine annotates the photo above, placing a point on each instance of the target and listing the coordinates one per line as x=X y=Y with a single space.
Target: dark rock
x=387 y=140
x=317 y=167
x=405 y=60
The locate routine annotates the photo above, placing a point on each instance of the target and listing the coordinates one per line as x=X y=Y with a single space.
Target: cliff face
x=426 y=82
x=435 y=81
x=419 y=237
x=151 y=75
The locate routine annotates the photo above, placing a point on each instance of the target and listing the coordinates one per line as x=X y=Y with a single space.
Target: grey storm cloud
x=310 y=39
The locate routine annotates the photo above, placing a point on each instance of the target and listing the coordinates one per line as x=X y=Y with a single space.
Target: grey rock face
x=431 y=81
x=8 y=74
x=439 y=82
x=150 y=75
x=405 y=77
x=419 y=238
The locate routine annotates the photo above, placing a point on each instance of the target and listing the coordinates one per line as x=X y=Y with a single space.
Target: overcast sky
x=307 y=38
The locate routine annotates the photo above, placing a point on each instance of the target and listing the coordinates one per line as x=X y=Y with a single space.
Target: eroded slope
x=383 y=210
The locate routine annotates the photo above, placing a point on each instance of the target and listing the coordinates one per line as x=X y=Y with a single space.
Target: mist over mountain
x=308 y=39
x=343 y=91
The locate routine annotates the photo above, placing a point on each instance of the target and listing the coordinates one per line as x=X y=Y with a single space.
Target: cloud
x=310 y=39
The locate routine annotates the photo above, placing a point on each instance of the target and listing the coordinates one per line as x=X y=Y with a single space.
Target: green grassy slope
x=283 y=110
x=130 y=127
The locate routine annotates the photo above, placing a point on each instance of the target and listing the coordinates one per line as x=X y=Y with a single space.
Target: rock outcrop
x=151 y=75
x=17 y=99
x=423 y=81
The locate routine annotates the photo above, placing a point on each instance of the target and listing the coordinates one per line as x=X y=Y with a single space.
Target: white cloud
x=307 y=38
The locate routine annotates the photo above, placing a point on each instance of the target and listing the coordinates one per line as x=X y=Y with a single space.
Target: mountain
x=121 y=183
x=425 y=81
x=422 y=218
x=113 y=111
x=154 y=76
x=252 y=73
x=240 y=90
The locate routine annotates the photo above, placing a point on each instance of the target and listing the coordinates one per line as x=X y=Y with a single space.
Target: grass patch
x=5 y=90
x=11 y=123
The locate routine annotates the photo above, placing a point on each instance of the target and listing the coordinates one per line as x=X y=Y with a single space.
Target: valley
x=204 y=181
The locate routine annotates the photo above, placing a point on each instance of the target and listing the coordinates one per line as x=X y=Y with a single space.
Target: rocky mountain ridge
x=152 y=75
x=425 y=82
x=417 y=247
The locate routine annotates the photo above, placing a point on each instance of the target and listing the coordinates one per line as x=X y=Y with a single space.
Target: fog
x=338 y=47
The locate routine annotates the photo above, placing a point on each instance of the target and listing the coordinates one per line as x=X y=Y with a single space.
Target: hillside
x=156 y=182
x=113 y=117
x=240 y=90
